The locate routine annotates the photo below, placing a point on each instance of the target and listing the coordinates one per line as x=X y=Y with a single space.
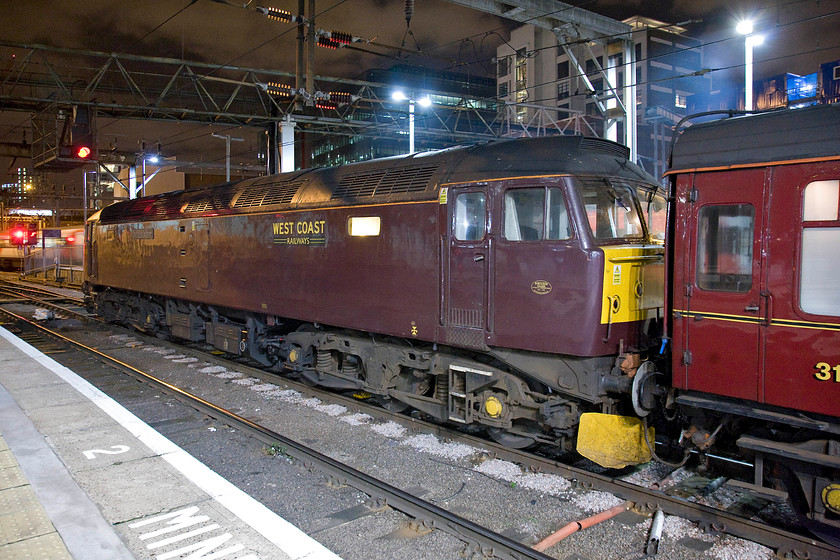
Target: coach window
x=469 y=216
x=820 y=260
x=725 y=247
x=536 y=213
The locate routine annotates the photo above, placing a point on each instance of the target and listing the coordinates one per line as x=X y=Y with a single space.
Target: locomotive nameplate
x=142 y=233
x=303 y=232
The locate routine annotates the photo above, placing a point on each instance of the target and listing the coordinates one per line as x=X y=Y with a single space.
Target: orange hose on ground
x=576 y=526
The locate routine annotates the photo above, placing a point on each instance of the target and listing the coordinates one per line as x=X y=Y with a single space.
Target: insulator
x=279 y=90
x=328 y=43
x=340 y=97
x=409 y=11
x=278 y=15
x=341 y=37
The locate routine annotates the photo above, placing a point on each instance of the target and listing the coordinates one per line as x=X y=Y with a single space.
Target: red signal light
x=19 y=234
x=83 y=152
x=70 y=239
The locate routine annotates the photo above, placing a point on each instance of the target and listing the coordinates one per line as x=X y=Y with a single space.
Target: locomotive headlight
x=493 y=407
x=831 y=497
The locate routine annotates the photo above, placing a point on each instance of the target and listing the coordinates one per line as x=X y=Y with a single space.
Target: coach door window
x=819 y=282
x=469 y=216
x=725 y=247
x=532 y=214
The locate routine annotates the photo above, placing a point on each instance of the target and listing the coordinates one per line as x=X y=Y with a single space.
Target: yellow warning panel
x=613 y=441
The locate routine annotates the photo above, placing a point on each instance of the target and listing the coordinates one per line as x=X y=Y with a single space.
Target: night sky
x=799 y=35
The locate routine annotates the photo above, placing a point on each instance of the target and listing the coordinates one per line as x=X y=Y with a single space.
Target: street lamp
x=745 y=27
x=424 y=101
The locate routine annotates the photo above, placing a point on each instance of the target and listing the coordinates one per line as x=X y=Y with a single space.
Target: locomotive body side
x=476 y=291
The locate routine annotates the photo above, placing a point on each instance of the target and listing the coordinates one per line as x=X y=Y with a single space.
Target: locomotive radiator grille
x=266 y=195
x=462 y=317
x=384 y=182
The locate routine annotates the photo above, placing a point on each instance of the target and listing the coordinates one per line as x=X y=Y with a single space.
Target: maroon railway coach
x=754 y=300
x=493 y=284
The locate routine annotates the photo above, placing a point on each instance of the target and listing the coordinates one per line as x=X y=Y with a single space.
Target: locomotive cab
x=564 y=265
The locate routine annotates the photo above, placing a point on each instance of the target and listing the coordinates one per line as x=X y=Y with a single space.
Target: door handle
x=752 y=308
x=478 y=258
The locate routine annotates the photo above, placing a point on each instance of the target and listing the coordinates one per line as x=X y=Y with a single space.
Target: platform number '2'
x=825 y=371
x=115 y=450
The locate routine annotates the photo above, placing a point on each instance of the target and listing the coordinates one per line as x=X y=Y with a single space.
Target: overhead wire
x=422 y=53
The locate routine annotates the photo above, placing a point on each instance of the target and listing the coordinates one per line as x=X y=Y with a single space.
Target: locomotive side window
x=537 y=213
x=819 y=282
x=469 y=216
x=656 y=212
x=363 y=226
x=725 y=247
x=611 y=211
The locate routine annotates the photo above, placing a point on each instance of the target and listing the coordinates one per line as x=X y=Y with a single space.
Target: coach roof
x=776 y=137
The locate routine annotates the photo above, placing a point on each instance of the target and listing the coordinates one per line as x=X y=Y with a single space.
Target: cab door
x=467 y=303
x=723 y=307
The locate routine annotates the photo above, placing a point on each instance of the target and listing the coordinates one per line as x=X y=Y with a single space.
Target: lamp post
x=745 y=27
x=227 y=138
x=424 y=101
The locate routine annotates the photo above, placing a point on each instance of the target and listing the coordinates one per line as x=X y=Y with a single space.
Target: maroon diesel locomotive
x=492 y=285
x=528 y=286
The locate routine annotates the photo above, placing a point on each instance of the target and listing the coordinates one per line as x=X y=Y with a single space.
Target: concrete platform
x=83 y=478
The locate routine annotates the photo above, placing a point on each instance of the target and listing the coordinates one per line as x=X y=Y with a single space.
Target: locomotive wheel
x=514 y=441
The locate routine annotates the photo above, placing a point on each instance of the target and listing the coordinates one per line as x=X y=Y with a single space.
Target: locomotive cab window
x=819 y=282
x=468 y=217
x=655 y=209
x=536 y=213
x=611 y=210
x=725 y=247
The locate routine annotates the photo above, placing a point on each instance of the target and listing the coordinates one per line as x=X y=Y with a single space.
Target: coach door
x=723 y=293
x=466 y=299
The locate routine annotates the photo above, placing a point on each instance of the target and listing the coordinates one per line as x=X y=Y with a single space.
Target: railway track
x=479 y=540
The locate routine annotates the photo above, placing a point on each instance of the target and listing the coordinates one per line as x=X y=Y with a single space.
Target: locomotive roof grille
x=590 y=144
x=217 y=202
x=164 y=207
x=383 y=182
x=267 y=195
x=137 y=209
